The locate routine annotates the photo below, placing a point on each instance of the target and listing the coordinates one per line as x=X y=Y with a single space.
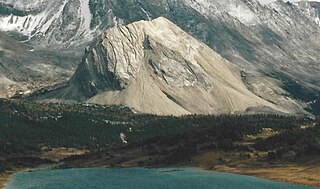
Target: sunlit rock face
x=155 y=67
x=276 y=44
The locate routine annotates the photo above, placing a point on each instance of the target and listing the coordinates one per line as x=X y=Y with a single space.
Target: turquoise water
x=139 y=178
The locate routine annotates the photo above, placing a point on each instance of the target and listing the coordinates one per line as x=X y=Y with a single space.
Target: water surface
x=140 y=178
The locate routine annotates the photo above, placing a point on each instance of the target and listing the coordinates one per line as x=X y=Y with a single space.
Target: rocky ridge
x=155 y=67
x=277 y=53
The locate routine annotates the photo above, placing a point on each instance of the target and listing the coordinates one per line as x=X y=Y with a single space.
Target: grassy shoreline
x=34 y=134
x=6 y=176
x=295 y=174
x=304 y=171
x=4 y=179
x=53 y=156
x=291 y=173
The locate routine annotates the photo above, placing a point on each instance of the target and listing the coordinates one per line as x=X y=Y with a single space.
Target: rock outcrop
x=155 y=67
x=276 y=45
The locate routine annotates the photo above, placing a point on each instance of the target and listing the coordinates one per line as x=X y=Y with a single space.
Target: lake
x=140 y=178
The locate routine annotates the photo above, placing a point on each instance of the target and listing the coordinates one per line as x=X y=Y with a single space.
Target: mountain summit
x=276 y=45
x=155 y=67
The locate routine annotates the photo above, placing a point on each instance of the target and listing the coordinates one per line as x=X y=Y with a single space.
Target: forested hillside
x=26 y=128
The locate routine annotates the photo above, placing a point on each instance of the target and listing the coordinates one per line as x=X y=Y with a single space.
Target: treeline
x=27 y=127
x=293 y=144
x=224 y=133
x=236 y=134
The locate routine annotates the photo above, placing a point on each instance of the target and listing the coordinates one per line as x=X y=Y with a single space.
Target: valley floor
x=273 y=147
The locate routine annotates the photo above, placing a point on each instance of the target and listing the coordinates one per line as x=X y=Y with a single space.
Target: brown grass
x=5 y=177
x=305 y=172
x=57 y=154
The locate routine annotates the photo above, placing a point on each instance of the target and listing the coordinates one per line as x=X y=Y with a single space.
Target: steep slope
x=276 y=45
x=48 y=23
x=68 y=24
x=23 y=69
x=155 y=67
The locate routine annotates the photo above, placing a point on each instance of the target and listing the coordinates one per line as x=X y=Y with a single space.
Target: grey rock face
x=23 y=70
x=155 y=67
x=54 y=24
x=276 y=45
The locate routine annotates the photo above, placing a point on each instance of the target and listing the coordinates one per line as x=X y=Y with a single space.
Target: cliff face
x=155 y=67
x=275 y=45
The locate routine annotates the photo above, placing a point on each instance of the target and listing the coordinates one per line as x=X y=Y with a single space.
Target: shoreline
x=251 y=171
x=304 y=172
x=274 y=178
x=269 y=173
x=5 y=177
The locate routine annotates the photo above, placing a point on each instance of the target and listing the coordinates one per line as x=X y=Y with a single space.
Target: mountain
x=23 y=70
x=275 y=45
x=155 y=67
x=48 y=23
x=60 y=30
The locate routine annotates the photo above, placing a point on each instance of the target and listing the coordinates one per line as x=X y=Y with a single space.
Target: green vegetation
x=292 y=144
x=27 y=127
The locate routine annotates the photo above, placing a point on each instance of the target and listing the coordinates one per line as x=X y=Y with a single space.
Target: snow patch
x=148 y=16
x=86 y=15
x=245 y=15
x=235 y=8
x=31 y=25
x=47 y=19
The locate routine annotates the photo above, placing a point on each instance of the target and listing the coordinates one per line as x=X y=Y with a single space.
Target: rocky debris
x=273 y=43
x=155 y=67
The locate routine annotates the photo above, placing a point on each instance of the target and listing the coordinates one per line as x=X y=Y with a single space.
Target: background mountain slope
x=23 y=69
x=276 y=45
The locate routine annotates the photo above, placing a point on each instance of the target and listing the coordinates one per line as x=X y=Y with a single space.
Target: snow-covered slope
x=60 y=23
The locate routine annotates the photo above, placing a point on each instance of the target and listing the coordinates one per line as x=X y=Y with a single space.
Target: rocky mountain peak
x=275 y=44
x=155 y=67
x=129 y=46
